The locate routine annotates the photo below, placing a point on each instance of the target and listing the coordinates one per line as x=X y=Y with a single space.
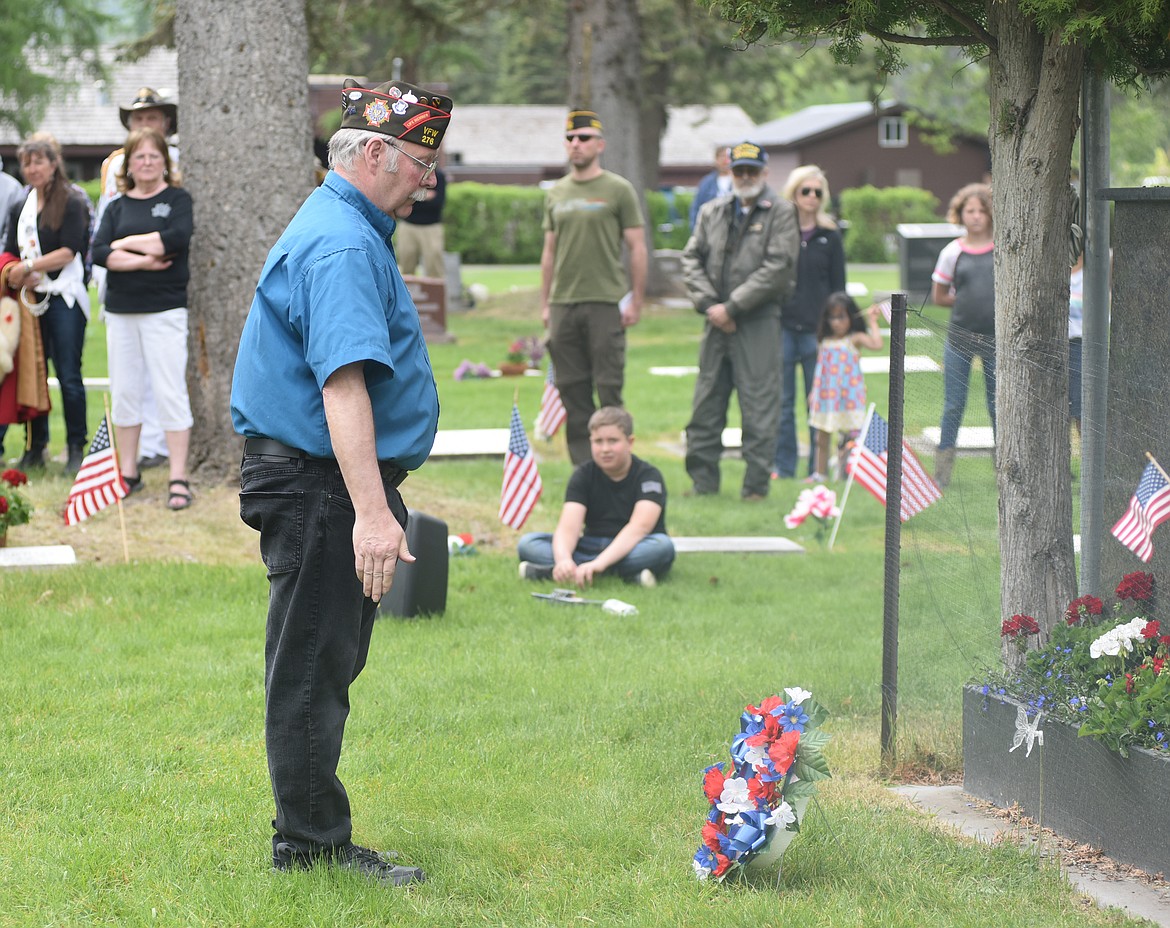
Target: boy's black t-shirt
x=609 y=503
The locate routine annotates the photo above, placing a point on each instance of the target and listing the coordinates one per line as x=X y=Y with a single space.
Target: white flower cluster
x=1118 y=639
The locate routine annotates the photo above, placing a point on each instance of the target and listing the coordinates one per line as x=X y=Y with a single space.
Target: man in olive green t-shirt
x=589 y=213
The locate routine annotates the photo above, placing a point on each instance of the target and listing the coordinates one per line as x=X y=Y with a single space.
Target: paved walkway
x=951 y=805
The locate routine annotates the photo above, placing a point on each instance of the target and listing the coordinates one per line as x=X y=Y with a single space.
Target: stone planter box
x=1075 y=786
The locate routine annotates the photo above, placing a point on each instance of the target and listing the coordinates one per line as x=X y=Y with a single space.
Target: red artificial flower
x=713 y=784
x=1129 y=682
x=1010 y=627
x=1151 y=630
x=14 y=477
x=783 y=751
x=724 y=864
x=769 y=733
x=1164 y=641
x=766 y=706
x=1028 y=625
x=1137 y=586
x=3 y=505
x=1158 y=663
x=1082 y=606
x=711 y=833
x=762 y=789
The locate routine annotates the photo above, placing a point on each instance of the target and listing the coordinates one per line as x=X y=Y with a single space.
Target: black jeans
x=318 y=636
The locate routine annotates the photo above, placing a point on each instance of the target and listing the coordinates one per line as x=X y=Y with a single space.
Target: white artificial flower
x=782 y=815
x=796 y=695
x=700 y=871
x=735 y=798
x=755 y=756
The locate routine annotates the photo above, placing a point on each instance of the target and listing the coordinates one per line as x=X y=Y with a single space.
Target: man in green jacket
x=739 y=266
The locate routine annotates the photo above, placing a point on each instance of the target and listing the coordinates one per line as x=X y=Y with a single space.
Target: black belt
x=270 y=447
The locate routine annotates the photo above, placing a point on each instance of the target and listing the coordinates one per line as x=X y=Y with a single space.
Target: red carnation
x=1151 y=629
x=1010 y=627
x=766 y=706
x=723 y=863
x=1028 y=625
x=1138 y=586
x=711 y=833
x=762 y=789
x=769 y=733
x=713 y=783
x=783 y=751
x=3 y=505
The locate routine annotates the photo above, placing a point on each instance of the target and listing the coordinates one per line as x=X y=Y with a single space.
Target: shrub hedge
x=497 y=224
x=873 y=214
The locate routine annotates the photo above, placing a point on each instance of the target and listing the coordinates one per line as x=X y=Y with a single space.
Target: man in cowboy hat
x=334 y=394
x=148 y=110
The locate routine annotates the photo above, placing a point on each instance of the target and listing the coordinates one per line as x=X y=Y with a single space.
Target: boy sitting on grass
x=614 y=517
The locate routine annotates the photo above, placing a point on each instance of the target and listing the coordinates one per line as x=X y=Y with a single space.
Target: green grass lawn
x=541 y=762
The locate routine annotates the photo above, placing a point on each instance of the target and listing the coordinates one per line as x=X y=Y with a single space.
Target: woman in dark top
x=820 y=270
x=143 y=241
x=49 y=231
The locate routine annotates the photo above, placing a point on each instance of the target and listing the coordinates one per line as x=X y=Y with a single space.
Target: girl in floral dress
x=837 y=401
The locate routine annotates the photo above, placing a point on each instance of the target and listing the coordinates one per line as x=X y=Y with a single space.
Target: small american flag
x=98 y=482
x=552 y=411
x=522 y=484
x=867 y=463
x=1149 y=507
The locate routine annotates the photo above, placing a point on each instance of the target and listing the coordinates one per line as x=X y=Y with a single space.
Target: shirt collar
x=384 y=225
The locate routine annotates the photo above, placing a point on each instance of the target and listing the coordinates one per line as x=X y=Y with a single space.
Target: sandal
x=180 y=498
x=133 y=484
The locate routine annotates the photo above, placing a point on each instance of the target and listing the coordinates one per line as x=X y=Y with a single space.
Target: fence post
x=893 y=532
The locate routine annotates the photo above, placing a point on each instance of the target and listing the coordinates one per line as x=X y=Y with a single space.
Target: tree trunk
x=1035 y=84
x=605 y=75
x=247 y=160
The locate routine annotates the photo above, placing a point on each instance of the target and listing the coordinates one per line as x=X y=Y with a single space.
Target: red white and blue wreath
x=757 y=810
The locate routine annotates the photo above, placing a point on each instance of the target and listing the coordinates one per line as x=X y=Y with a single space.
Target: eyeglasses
x=580 y=137
x=815 y=191
x=428 y=169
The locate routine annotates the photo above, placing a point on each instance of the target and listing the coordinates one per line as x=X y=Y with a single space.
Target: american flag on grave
x=867 y=463
x=522 y=484
x=98 y=482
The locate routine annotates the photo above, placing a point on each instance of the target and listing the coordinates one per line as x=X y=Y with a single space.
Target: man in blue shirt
x=334 y=394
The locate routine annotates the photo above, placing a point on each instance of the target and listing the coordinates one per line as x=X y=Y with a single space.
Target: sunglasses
x=815 y=191
x=580 y=137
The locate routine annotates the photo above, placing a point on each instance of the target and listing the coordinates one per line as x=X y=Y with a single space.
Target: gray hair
x=346 y=144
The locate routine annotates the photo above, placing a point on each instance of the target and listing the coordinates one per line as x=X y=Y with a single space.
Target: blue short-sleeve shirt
x=330 y=295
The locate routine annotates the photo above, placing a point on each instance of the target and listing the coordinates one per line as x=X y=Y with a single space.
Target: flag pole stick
x=118 y=468
x=849 y=479
x=1159 y=466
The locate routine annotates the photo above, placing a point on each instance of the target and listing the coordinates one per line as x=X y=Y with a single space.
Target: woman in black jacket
x=820 y=270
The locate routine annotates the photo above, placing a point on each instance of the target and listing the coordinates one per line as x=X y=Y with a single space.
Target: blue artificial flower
x=984 y=689
x=794 y=718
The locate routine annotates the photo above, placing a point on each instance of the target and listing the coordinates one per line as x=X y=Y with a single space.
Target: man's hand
x=544 y=315
x=719 y=317
x=565 y=571
x=631 y=313
x=584 y=575
x=378 y=545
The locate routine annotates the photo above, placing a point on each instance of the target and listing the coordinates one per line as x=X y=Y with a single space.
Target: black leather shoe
x=73 y=463
x=33 y=459
x=361 y=860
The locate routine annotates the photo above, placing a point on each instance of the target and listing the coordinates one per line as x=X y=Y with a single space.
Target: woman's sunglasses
x=815 y=191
